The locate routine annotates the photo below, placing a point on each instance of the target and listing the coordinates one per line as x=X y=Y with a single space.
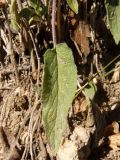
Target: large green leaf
x=59 y=85
x=73 y=4
x=113 y=14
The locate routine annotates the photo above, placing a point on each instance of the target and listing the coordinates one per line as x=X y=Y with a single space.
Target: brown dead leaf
x=68 y=151
x=3 y=2
x=111 y=129
x=80 y=105
x=80 y=29
x=114 y=141
x=76 y=147
x=80 y=134
x=116 y=74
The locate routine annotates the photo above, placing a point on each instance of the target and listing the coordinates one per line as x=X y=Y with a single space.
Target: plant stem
x=97 y=74
x=53 y=22
x=59 y=21
x=111 y=62
x=111 y=71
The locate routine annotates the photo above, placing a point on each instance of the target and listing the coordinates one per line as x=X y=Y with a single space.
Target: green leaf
x=39 y=8
x=90 y=91
x=59 y=85
x=26 y=13
x=34 y=19
x=29 y=15
x=73 y=4
x=113 y=14
x=14 y=16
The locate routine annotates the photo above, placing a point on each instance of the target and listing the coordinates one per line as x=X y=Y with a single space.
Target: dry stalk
x=32 y=59
x=12 y=56
x=19 y=3
x=38 y=123
x=31 y=125
x=43 y=149
x=36 y=103
x=38 y=58
x=26 y=150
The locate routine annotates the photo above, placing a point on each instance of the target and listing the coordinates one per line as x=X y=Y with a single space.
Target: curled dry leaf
x=116 y=74
x=77 y=147
x=80 y=134
x=111 y=129
x=80 y=105
x=3 y=2
x=80 y=30
x=68 y=151
x=114 y=141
